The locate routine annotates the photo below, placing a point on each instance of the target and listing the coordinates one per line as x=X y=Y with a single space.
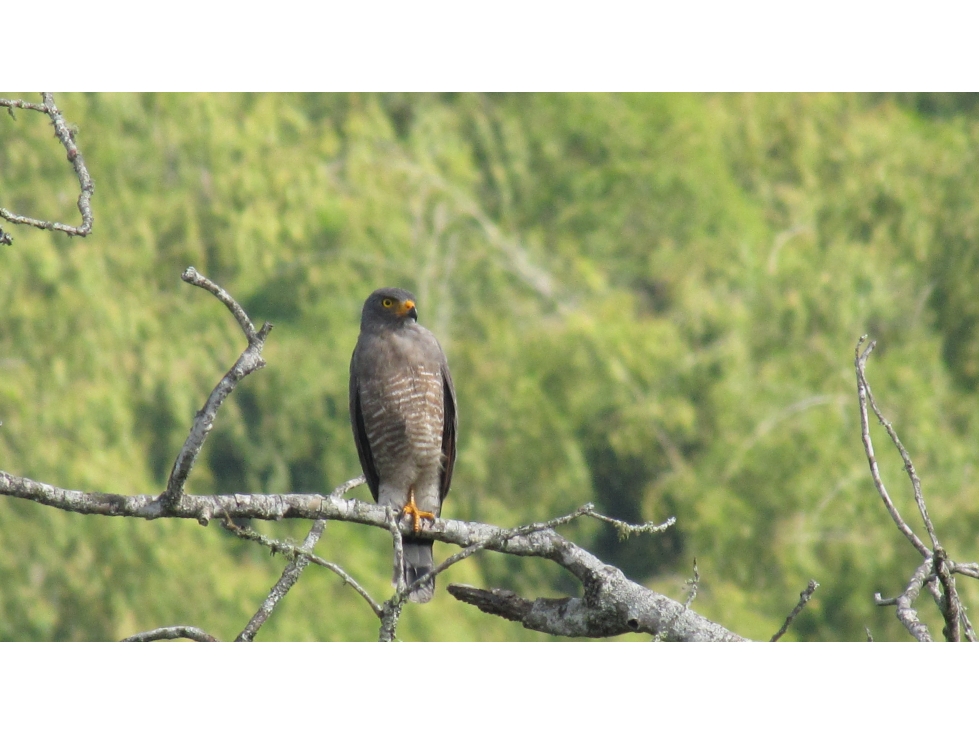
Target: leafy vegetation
x=649 y=302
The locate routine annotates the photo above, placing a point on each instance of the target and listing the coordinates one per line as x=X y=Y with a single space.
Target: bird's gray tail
x=418 y=561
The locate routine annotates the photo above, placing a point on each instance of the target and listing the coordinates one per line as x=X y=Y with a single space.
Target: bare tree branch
x=19 y=104
x=249 y=361
x=905 y=457
x=611 y=605
x=66 y=135
x=172 y=633
x=966 y=569
x=294 y=552
x=588 y=510
x=864 y=394
x=804 y=598
x=190 y=275
x=621 y=606
x=937 y=571
x=290 y=575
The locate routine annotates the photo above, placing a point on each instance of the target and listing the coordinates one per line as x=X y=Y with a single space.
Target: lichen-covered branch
x=610 y=605
x=615 y=606
x=65 y=133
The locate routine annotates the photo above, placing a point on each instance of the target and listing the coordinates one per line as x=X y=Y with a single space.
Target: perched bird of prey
x=403 y=414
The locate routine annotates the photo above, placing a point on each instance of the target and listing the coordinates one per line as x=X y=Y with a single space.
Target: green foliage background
x=648 y=301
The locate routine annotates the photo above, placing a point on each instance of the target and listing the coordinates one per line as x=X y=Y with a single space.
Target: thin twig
x=966 y=569
x=172 y=633
x=292 y=551
x=864 y=394
x=190 y=275
x=905 y=457
x=625 y=529
x=12 y=104
x=348 y=485
x=693 y=584
x=290 y=574
x=804 y=598
x=970 y=633
x=667 y=626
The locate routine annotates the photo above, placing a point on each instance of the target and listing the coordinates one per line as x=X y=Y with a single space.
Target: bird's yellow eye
x=387 y=303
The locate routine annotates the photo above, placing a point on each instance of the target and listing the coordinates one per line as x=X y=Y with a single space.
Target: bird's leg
x=416 y=512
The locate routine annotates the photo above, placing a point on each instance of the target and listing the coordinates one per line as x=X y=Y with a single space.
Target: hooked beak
x=408 y=309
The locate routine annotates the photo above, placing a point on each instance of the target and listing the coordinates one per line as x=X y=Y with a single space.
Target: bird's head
x=390 y=307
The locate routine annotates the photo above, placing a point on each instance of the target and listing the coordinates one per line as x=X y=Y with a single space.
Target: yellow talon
x=416 y=513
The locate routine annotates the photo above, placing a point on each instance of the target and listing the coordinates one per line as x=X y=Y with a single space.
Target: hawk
x=403 y=415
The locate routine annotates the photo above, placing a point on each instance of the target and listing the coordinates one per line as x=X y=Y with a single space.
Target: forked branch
x=937 y=571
